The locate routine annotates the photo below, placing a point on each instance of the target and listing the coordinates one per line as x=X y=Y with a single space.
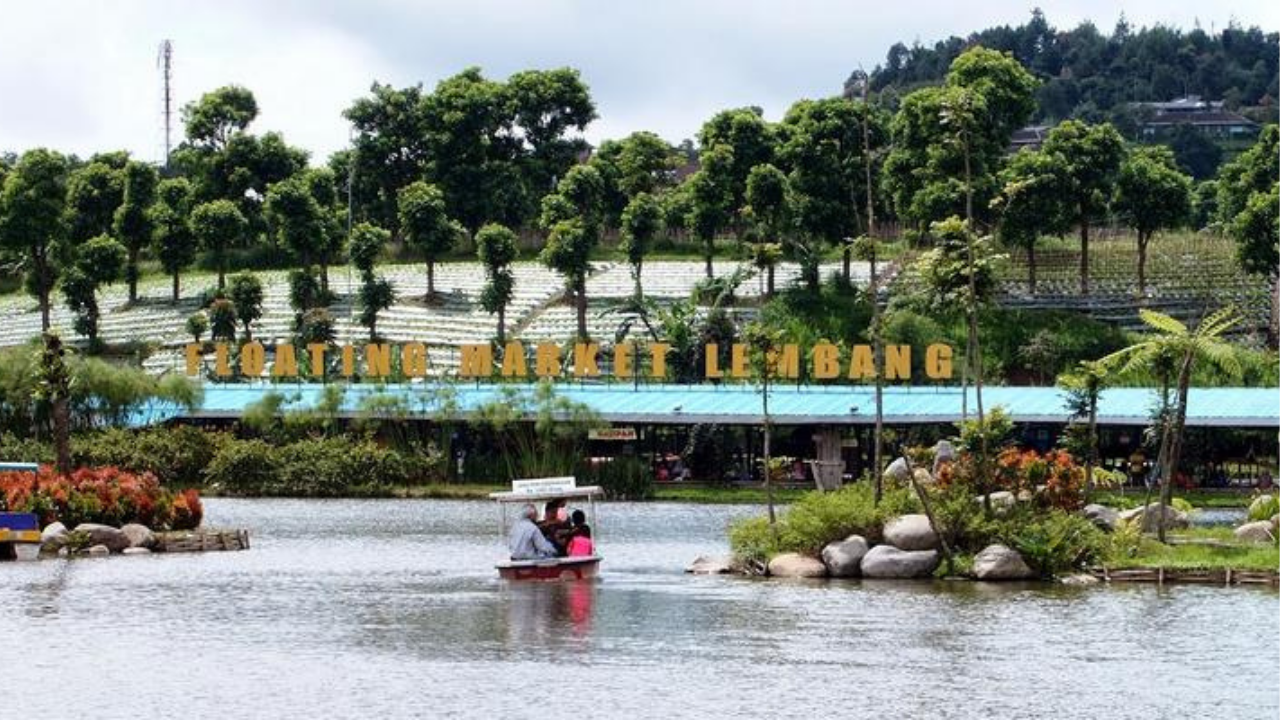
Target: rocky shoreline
x=96 y=540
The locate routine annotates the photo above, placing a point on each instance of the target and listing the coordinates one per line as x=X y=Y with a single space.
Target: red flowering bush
x=106 y=495
x=1053 y=477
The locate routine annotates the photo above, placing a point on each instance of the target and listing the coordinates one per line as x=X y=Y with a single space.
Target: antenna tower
x=164 y=61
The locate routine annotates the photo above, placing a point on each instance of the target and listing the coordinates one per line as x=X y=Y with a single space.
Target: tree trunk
x=1142 y=262
x=62 y=433
x=502 y=325
x=1273 y=327
x=768 y=474
x=131 y=274
x=928 y=513
x=177 y=294
x=38 y=262
x=1084 y=251
x=846 y=261
x=768 y=282
x=431 y=279
x=580 y=293
x=976 y=359
x=222 y=273
x=1173 y=436
x=878 y=349
x=639 y=270
x=708 y=248
x=1092 y=460
x=324 y=278
x=1031 y=267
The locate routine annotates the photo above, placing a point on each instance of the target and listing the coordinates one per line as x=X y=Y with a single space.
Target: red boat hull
x=550 y=570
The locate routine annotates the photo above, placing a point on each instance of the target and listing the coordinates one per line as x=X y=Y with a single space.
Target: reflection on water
x=383 y=608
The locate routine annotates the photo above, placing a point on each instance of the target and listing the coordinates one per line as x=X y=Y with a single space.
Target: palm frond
x=1221 y=354
x=1218 y=322
x=1162 y=322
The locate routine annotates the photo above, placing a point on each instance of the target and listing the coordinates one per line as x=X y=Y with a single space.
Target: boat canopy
x=587 y=491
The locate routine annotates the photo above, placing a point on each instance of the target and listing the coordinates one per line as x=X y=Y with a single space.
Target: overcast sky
x=80 y=75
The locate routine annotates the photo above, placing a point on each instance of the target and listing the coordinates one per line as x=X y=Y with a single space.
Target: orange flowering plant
x=106 y=495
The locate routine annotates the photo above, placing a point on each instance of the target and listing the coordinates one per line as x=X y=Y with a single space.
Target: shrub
x=623 y=478
x=819 y=518
x=1055 y=541
x=177 y=455
x=314 y=467
x=243 y=467
x=106 y=495
x=1264 y=507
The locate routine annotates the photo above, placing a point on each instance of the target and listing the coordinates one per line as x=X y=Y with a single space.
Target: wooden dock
x=1161 y=575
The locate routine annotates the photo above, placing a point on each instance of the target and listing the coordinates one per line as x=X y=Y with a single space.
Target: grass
x=1132 y=498
x=1198 y=550
x=725 y=496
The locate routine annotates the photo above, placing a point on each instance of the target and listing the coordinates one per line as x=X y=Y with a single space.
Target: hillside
x=1088 y=74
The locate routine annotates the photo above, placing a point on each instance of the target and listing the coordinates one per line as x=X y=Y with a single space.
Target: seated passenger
x=526 y=540
x=580 y=544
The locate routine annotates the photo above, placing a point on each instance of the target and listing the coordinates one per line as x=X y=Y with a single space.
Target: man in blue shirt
x=527 y=541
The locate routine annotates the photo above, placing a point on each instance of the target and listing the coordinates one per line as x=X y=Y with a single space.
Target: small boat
x=538 y=491
x=19 y=531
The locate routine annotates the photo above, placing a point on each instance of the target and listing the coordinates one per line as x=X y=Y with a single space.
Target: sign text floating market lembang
x=826 y=361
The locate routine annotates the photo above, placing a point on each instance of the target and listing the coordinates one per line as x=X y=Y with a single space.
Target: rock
x=703 y=565
x=922 y=477
x=53 y=537
x=1002 y=501
x=910 y=532
x=887 y=561
x=97 y=550
x=997 y=562
x=104 y=535
x=843 y=558
x=1079 y=579
x=1025 y=496
x=1174 y=518
x=943 y=452
x=140 y=536
x=898 y=471
x=1101 y=516
x=795 y=565
x=1259 y=532
x=136 y=551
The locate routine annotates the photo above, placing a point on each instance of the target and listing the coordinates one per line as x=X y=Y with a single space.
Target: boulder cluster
x=1260 y=531
x=94 y=540
x=909 y=550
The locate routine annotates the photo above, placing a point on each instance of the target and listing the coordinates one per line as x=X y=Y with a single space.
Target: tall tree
x=132 y=220
x=1151 y=195
x=1188 y=347
x=175 y=245
x=426 y=226
x=496 y=248
x=32 y=204
x=1092 y=155
x=217 y=226
x=750 y=140
x=213 y=119
x=711 y=200
x=547 y=105
x=1032 y=204
x=391 y=148
x=94 y=191
x=97 y=262
x=1247 y=191
x=641 y=223
x=296 y=219
x=572 y=218
x=769 y=209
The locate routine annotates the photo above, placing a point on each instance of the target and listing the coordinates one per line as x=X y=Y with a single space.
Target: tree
x=426 y=226
x=1092 y=155
x=1187 y=347
x=217 y=115
x=1247 y=192
x=391 y=148
x=55 y=389
x=711 y=199
x=641 y=223
x=1152 y=195
x=216 y=226
x=32 y=204
x=376 y=293
x=94 y=191
x=1084 y=388
x=496 y=248
x=197 y=325
x=132 y=220
x=769 y=209
x=750 y=141
x=175 y=245
x=97 y=262
x=296 y=218
x=246 y=294
x=546 y=105
x=572 y=216
x=222 y=320
x=1032 y=203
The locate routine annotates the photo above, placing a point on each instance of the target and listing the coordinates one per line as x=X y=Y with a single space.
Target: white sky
x=80 y=75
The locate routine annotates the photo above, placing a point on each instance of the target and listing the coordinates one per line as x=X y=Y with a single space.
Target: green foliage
x=622 y=478
x=175 y=245
x=317 y=326
x=1265 y=509
x=819 y=518
x=1152 y=195
x=132 y=222
x=97 y=262
x=1057 y=542
x=218 y=114
x=641 y=223
x=366 y=244
x=222 y=320
x=32 y=204
x=946 y=269
x=176 y=455
x=298 y=221
x=496 y=248
x=246 y=295
x=94 y=191
x=217 y=226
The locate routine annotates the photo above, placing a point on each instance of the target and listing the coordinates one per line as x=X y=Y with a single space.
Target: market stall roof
x=738 y=404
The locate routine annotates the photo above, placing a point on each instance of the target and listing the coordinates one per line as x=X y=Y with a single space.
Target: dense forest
x=1088 y=75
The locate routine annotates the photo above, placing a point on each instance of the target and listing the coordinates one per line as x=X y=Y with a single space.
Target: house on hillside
x=1032 y=136
x=1206 y=116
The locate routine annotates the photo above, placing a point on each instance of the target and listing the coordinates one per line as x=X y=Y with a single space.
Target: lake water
x=390 y=609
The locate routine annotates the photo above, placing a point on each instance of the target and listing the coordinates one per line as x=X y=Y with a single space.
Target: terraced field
x=454 y=319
